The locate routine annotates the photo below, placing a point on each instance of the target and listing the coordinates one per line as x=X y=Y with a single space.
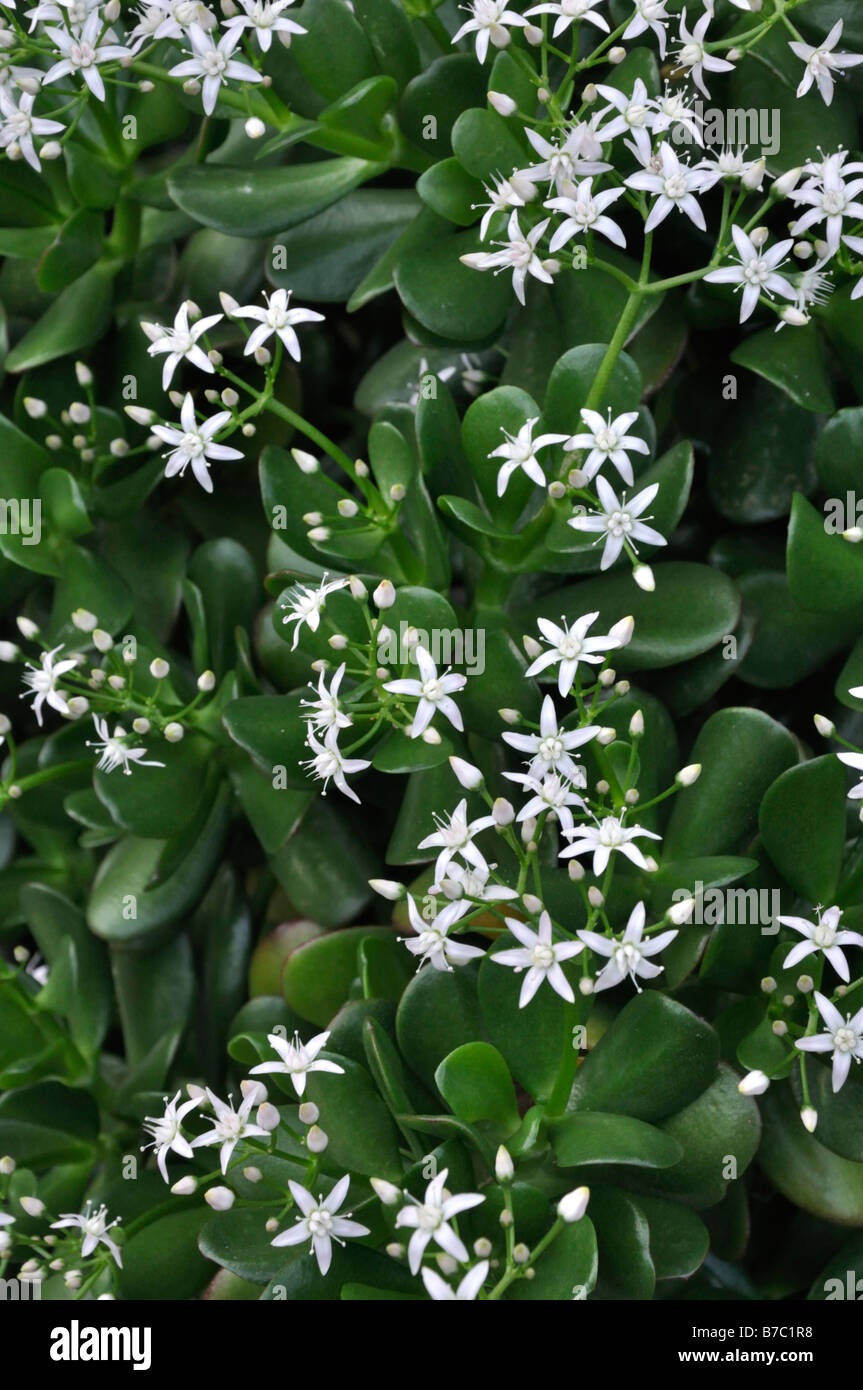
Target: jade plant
x=430 y=861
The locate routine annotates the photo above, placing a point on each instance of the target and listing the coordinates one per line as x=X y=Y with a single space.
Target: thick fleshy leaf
x=589 y=1137
x=362 y=1134
x=741 y=752
x=566 y=1270
x=318 y=975
x=794 y=361
x=802 y=823
x=803 y=1170
x=439 y=1012
x=825 y=573
x=255 y=201
x=474 y=1081
x=656 y=1057
x=718 y=1134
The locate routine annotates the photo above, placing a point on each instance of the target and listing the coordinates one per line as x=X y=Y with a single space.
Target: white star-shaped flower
x=579 y=155
x=470 y=881
x=18 y=125
x=629 y=955
x=549 y=749
x=167 y=1136
x=432 y=942
x=114 y=751
x=297 y=1060
x=844 y=1038
x=649 y=14
x=180 y=342
x=504 y=195
x=327 y=710
x=276 y=318
x=468 y=1289
x=229 y=1127
x=693 y=54
x=265 y=18
x=584 y=211
x=852 y=760
x=434 y=693
x=307 y=604
x=606 y=838
x=213 y=64
x=517 y=253
x=520 y=451
x=430 y=1220
x=756 y=272
x=634 y=117
x=821 y=63
x=82 y=52
x=94 y=1228
x=675 y=186
x=329 y=763
x=491 y=21
x=619 y=522
x=193 y=443
x=454 y=835
x=570 y=645
x=540 y=956
x=568 y=11
x=552 y=794
x=41 y=682
x=831 y=200
x=608 y=441
x=320 y=1222
x=823 y=935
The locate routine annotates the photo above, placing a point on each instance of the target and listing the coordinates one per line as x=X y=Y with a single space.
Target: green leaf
x=623 y=1236
x=446 y=297
x=761 y=453
x=326 y=865
x=802 y=822
x=76 y=246
x=566 y=1270
x=301 y=1281
x=793 y=361
x=226 y=577
x=679 y=1239
x=531 y=1039
x=335 y=53
x=131 y=905
x=56 y=922
x=486 y=145
x=155 y=992
x=486 y=424
x=451 y=192
x=439 y=1012
x=790 y=642
x=363 y=1137
x=74 y=320
x=656 y=1057
x=590 y=1137
x=448 y=87
x=474 y=1081
x=48 y=1124
x=162 y=1260
x=719 y=1125
x=741 y=752
x=389 y=32
x=139 y=803
x=327 y=256
x=269 y=727
x=317 y=977
x=838 y=456
x=804 y=1170
x=253 y=202
x=825 y=573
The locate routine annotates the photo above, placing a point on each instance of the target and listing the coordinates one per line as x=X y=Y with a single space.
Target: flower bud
x=386 y=1192
x=347 y=508
x=504 y=1168
x=787 y=182
x=255 y=128
x=174 y=732
x=503 y=104
x=468 y=776
x=267 y=1116
x=595 y=897
x=253 y=1090
x=825 y=727
x=509 y=716
x=622 y=631
x=357 y=588
x=32 y=1205
x=754 y=176
x=689 y=774
x=754 y=1083
x=35 y=407
x=636 y=725
x=140 y=415
x=27 y=627
x=388 y=888
x=307 y=463
x=681 y=911
x=532 y=903
x=643 y=576
x=219 y=1198
x=384 y=595
x=159 y=668
x=185 y=1187
x=532 y=648
x=78 y=705
x=141 y=725
x=503 y=811
x=316 y=1140
x=809 y=1116
x=616 y=55
x=7 y=1165
x=573 y=1206
x=532 y=34
x=309 y=1113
